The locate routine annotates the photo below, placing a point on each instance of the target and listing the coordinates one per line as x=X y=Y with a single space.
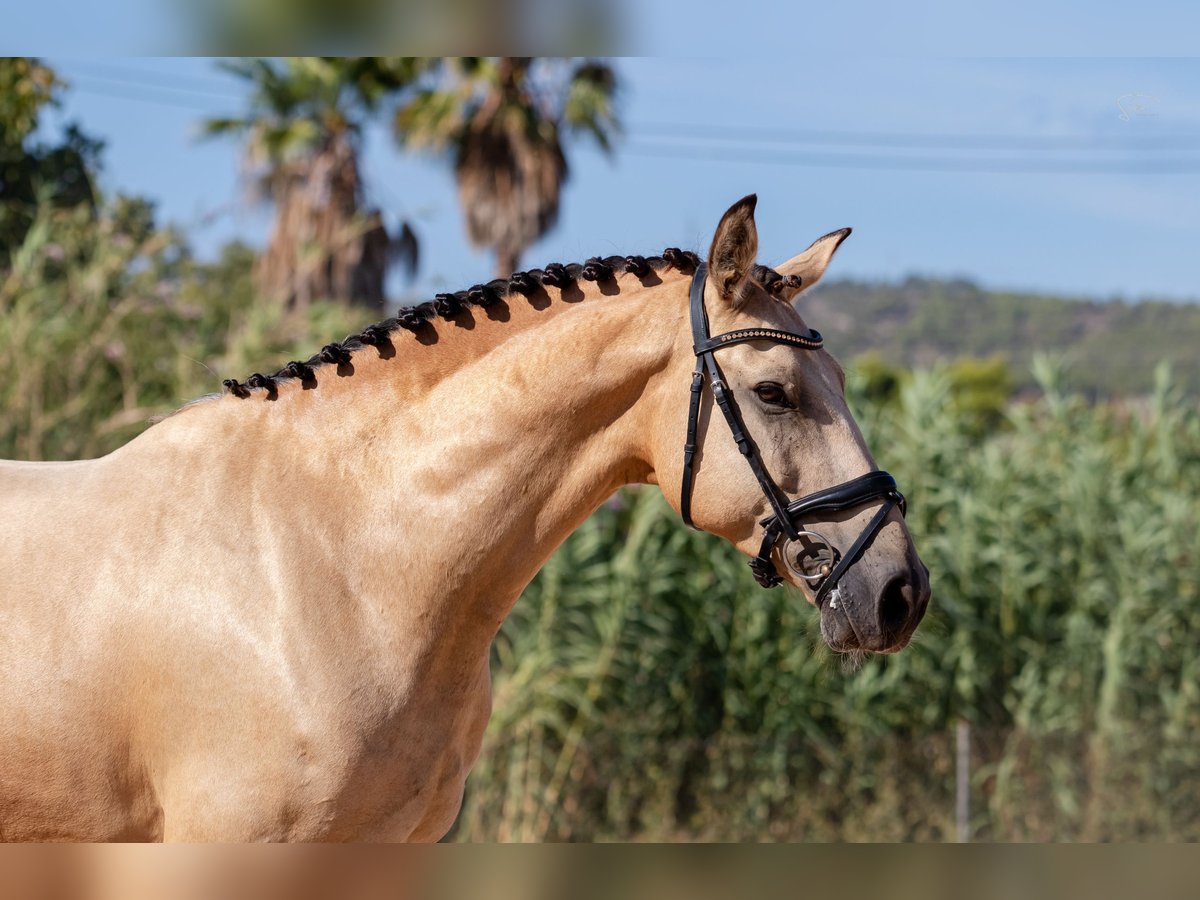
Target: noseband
x=787 y=517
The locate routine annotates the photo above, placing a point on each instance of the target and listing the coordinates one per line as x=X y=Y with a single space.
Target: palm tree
x=503 y=120
x=303 y=129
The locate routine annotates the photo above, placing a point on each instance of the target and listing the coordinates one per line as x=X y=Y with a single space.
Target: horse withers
x=269 y=616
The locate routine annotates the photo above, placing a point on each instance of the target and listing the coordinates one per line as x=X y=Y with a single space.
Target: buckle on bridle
x=765 y=572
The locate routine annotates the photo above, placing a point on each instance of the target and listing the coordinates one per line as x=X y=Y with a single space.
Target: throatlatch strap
x=746 y=445
x=762 y=566
x=689 y=447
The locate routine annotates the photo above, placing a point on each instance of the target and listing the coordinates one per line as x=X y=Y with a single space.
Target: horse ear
x=734 y=248
x=810 y=265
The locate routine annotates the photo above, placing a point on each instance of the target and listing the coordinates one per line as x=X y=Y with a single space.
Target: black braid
x=684 y=260
x=557 y=276
x=771 y=280
x=637 y=265
x=447 y=305
x=300 y=370
x=334 y=353
x=523 y=283
x=774 y=283
x=596 y=269
x=375 y=335
x=483 y=295
x=410 y=318
x=236 y=388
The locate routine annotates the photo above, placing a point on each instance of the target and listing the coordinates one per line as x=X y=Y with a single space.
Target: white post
x=963 y=790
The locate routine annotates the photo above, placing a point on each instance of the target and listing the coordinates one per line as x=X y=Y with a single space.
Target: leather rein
x=787 y=515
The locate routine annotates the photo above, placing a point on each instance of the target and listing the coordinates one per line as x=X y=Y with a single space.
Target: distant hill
x=1111 y=347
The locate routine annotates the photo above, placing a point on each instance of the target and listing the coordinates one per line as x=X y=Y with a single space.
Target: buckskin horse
x=268 y=617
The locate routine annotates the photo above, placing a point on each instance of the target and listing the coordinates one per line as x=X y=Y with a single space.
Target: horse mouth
x=842 y=635
x=838 y=631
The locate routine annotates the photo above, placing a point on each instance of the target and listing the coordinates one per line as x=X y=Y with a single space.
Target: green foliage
x=980 y=390
x=26 y=86
x=876 y=381
x=300 y=102
x=542 y=94
x=106 y=320
x=503 y=121
x=588 y=105
x=35 y=172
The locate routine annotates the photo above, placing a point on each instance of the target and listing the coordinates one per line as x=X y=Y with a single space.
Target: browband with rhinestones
x=810 y=341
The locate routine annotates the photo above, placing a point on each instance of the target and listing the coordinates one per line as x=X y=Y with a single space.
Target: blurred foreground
x=591 y=873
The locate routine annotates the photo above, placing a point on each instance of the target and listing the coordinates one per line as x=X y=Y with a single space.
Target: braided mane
x=447 y=306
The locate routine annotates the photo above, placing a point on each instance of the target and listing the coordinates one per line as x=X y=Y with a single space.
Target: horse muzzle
x=875 y=612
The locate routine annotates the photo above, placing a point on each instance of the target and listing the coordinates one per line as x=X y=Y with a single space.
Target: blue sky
x=935 y=162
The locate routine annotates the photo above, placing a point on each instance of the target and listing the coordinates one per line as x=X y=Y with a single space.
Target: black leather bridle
x=787 y=517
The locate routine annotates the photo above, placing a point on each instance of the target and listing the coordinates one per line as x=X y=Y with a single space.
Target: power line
x=859 y=160
x=123 y=93
x=157 y=78
x=899 y=140
x=786 y=147
x=744 y=133
x=183 y=93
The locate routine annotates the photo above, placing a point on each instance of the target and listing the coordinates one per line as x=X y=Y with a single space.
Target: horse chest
x=398 y=777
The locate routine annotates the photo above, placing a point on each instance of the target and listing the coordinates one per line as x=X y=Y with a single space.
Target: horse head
x=773 y=460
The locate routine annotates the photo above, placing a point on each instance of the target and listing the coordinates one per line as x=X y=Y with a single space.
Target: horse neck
x=474 y=458
x=563 y=421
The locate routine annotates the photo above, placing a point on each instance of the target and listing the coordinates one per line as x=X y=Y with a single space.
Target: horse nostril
x=894 y=606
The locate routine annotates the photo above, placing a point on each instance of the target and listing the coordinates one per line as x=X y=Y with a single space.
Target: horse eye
x=772 y=394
